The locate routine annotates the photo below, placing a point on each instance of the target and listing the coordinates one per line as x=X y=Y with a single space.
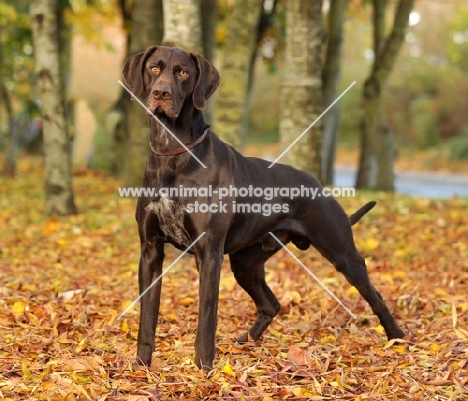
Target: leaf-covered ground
x=64 y=282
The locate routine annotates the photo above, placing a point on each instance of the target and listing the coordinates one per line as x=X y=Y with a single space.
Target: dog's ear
x=207 y=81
x=133 y=70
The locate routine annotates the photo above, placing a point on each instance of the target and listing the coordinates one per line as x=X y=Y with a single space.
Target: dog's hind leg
x=247 y=265
x=354 y=269
x=337 y=245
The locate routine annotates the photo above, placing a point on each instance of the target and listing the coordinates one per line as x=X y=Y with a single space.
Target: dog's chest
x=171 y=215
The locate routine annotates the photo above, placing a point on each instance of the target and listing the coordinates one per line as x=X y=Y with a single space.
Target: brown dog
x=177 y=84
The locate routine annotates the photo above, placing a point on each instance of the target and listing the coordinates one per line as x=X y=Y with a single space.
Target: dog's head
x=170 y=76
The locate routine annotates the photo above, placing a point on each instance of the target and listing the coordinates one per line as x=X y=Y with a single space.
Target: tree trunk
x=239 y=47
x=146 y=31
x=301 y=92
x=264 y=22
x=368 y=165
x=182 y=24
x=380 y=139
x=9 y=167
x=330 y=80
x=367 y=172
x=57 y=156
x=208 y=12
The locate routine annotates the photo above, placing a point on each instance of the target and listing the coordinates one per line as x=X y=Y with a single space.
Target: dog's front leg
x=209 y=266
x=150 y=268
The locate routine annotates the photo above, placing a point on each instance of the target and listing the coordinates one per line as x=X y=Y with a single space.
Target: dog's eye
x=183 y=73
x=155 y=69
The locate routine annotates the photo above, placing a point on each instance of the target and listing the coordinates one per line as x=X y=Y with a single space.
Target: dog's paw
x=244 y=338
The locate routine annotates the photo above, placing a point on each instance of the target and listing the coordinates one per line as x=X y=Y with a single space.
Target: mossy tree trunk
x=301 y=92
x=330 y=80
x=239 y=46
x=146 y=30
x=182 y=24
x=380 y=137
x=57 y=150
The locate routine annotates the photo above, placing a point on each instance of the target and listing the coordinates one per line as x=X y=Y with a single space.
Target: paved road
x=427 y=184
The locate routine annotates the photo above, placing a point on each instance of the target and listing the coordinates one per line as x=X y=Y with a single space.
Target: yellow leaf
x=296 y=297
x=317 y=385
x=379 y=329
x=125 y=326
x=434 y=347
x=328 y=339
x=352 y=291
x=281 y=265
x=24 y=368
x=172 y=317
x=18 y=308
x=372 y=244
x=186 y=301
x=47 y=385
x=62 y=241
x=81 y=346
x=125 y=304
x=392 y=342
x=388 y=278
x=228 y=370
x=400 y=274
x=400 y=349
x=274 y=332
x=397 y=345
x=454 y=315
x=302 y=392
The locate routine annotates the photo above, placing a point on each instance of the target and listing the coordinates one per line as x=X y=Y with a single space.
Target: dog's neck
x=188 y=127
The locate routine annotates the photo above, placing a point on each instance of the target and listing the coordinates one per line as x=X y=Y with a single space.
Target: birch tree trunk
x=301 y=92
x=231 y=100
x=381 y=139
x=57 y=155
x=330 y=80
x=182 y=24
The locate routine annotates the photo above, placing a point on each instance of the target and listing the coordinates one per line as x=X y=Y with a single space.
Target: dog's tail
x=356 y=216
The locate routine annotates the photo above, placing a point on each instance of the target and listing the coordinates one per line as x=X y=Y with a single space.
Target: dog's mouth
x=163 y=108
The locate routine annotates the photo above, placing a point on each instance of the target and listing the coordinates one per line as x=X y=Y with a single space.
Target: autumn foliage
x=64 y=282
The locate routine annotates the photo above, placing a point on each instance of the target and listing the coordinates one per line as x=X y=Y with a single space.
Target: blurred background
x=282 y=64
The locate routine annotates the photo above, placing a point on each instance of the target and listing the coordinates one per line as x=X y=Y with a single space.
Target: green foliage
x=88 y=19
x=459 y=146
x=351 y=116
x=16 y=48
x=424 y=122
x=264 y=106
x=457 y=49
x=103 y=157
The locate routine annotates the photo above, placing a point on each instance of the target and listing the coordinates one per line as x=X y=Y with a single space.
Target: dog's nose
x=162 y=92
